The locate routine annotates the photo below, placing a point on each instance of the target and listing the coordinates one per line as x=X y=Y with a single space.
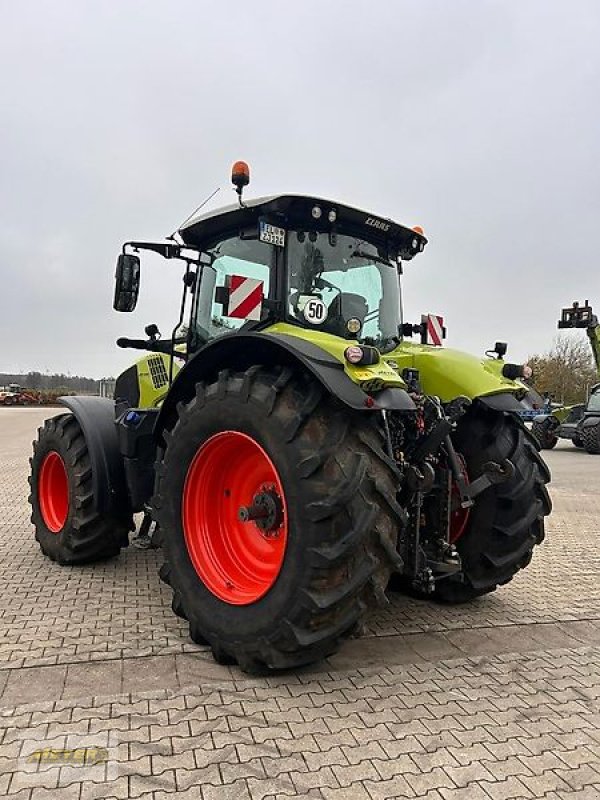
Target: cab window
x=246 y=258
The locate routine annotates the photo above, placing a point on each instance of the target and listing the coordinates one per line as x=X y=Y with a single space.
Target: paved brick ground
x=497 y=699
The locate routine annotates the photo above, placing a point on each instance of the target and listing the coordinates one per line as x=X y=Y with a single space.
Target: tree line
x=51 y=381
x=567 y=371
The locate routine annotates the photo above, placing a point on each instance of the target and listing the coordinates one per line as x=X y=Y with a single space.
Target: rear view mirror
x=127 y=282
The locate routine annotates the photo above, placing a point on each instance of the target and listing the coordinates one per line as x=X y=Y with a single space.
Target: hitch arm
x=493 y=473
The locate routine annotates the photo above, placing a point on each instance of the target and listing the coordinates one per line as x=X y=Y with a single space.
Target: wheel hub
x=266 y=511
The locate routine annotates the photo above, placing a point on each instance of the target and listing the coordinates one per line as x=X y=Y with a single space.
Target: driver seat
x=343 y=307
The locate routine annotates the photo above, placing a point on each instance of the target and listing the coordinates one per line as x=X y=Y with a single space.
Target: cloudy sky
x=478 y=120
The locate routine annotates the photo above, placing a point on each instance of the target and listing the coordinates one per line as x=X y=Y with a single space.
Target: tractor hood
x=450 y=373
x=443 y=372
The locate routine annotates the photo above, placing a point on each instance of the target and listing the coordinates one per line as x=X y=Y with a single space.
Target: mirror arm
x=165 y=249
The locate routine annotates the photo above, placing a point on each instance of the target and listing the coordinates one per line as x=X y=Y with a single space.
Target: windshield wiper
x=371 y=257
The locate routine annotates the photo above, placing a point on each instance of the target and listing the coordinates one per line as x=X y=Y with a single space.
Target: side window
x=244 y=258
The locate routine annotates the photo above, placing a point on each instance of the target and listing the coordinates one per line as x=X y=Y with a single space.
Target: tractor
x=579 y=423
x=15 y=395
x=289 y=447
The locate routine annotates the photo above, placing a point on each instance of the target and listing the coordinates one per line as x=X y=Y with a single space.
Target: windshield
x=594 y=402
x=343 y=285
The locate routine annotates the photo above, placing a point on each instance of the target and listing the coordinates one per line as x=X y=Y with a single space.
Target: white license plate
x=271 y=234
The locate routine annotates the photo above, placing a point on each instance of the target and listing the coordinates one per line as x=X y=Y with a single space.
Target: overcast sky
x=478 y=120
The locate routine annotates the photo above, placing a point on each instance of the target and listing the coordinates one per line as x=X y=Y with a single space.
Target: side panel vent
x=158 y=372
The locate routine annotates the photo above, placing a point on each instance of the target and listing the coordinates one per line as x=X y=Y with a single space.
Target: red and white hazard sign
x=434 y=329
x=245 y=297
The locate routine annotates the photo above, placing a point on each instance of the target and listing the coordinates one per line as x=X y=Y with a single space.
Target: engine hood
x=450 y=373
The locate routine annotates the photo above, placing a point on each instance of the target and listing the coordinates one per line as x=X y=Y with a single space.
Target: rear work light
x=361 y=355
x=515 y=371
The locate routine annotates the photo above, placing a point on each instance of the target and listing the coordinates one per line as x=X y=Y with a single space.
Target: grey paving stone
x=28 y=685
x=495 y=699
x=84 y=680
x=152 y=672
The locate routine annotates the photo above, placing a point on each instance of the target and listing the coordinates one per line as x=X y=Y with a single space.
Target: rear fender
x=242 y=350
x=96 y=417
x=502 y=402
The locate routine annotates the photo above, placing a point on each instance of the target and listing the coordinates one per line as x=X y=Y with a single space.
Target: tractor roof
x=295 y=210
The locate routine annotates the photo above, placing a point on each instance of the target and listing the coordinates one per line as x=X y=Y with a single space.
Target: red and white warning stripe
x=245 y=297
x=434 y=329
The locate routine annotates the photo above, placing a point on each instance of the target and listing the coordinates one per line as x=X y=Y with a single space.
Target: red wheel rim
x=237 y=561
x=459 y=516
x=53 y=492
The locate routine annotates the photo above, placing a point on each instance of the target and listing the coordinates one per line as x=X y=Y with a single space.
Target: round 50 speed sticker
x=315 y=311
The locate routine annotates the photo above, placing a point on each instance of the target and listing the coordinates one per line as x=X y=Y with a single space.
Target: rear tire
x=341 y=524
x=544 y=433
x=507 y=520
x=68 y=526
x=591 y=439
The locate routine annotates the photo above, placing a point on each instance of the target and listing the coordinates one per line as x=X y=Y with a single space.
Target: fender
x=541 y=418
x=589 y=422
x=504 y=401
x=241 y=350
x=96 y=415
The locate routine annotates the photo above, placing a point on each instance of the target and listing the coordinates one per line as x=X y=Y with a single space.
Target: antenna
x=187 y=219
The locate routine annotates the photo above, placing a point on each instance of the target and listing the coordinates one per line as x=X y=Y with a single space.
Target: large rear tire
x=287 y=595
x=544 y=434
x=591 y=439
x=68 y=526
x=507 y=520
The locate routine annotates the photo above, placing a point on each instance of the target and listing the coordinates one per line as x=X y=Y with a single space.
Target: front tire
x=591 y=439
x=544 y=433
x=68 y=525
x=507 y=520
x=289 y=594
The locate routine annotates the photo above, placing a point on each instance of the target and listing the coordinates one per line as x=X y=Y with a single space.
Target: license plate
x=271 y=234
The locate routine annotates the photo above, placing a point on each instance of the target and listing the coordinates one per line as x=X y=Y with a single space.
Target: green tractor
x=579 y=423
x=288 y=446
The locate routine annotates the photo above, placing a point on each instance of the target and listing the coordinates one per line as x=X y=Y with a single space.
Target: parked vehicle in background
x=579 y=423
x=15 y=395
x=534 y=405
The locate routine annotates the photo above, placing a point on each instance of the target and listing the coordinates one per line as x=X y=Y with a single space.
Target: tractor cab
x=593 y=405
x=304 y=261
x=301 y=260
